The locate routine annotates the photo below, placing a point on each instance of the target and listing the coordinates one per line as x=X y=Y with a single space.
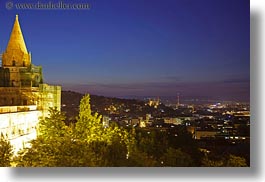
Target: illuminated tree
x=6 y=152
x=87 y=143
x=88 y=126
x=53 y=127
x=47 y=149
x=111 y=144
x=55 y=146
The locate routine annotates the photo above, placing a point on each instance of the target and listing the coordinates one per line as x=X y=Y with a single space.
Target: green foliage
x=141 y=159
x=153 y=144
x=228 y=161
x=50 y=154
x=186 y=143
x=87 y=143
x=53 y=127
x=236 y=161
x=6 y=152
x=207 y=162
x=88 y=126
x=176 y=158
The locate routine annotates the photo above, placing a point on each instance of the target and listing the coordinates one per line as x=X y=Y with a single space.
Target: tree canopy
x=6 y=152
x=88 y=143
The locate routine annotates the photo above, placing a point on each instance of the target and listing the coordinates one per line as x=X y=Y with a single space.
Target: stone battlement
x=12 y=109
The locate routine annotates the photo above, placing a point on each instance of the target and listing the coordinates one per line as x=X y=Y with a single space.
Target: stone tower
x=19 y=78
x=21 y=82
x=24 y=98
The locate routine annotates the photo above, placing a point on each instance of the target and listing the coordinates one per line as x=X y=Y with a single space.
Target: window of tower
x=13 y=63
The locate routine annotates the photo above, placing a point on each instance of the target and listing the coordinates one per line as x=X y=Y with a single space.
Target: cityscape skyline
x=199 y=49
x=205 y=70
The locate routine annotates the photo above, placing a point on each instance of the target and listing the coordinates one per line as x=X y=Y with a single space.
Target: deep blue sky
x=200 y=48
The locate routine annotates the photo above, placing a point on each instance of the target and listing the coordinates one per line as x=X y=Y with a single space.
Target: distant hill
x=111 y=106
x=70 y=98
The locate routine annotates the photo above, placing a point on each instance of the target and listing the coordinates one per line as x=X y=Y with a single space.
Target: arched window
x=13 y=63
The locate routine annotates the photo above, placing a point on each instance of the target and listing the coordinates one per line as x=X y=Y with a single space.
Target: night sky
x=122 y=48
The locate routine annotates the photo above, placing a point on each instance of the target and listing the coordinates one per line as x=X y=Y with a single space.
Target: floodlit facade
x=24 y=98
x=18 y=124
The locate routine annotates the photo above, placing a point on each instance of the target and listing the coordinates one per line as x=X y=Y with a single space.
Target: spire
x=16 y=53
x=16 y=41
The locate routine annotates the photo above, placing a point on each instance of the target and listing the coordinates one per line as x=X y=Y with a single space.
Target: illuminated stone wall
x=18 y=96
x=50 y=96
x=21 y=76
x=18 y=124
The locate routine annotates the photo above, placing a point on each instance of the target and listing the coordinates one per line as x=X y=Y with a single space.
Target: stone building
x=24 y=97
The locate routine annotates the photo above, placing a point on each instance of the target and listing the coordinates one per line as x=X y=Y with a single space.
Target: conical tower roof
x=16 y=41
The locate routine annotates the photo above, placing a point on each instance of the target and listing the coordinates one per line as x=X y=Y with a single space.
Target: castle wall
x=50 y=96
x=18 y=124
x=17 y=96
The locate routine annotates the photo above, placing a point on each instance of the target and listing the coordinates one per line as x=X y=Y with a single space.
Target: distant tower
x=178 y=100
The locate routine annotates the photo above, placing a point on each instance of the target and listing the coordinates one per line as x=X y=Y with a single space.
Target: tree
x=88 y=126
x=176 y=158
x=53 y=127
x=235 y=161
x=228 y=161
x=186 y=143
x=154 y=143
x=6 y=152
x=111 y=144
x=207 y=162
x=87 y=143
x=141 y=159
